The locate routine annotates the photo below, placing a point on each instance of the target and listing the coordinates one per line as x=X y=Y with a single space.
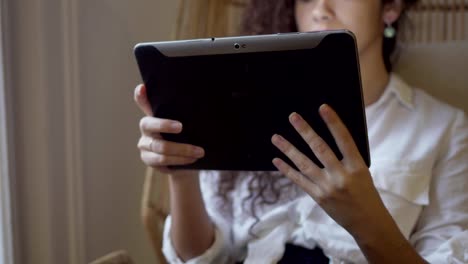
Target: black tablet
x=232 y=94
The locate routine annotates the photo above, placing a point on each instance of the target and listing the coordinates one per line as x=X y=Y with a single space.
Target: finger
x=151 y=125
x=340 y=133
x=168 y=148
x=320 y=148
x=156 y=160
x=298 y=178
x=141 y=99
x=302 y=162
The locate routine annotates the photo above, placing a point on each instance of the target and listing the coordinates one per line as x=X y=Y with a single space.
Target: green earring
x=389 y=31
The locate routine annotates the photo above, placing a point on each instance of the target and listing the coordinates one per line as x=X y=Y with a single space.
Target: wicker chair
x=117 y=257
x=431 y=41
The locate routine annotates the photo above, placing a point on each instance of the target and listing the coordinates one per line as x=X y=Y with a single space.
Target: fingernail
x=199 y=152
x=325 y=111
x=139 y=90
x=276 y=162
x=176 y=126
x=294 y=117
x=324 y=108
x=277 y=138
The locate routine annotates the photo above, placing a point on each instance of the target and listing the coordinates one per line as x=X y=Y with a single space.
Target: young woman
x=411 y=206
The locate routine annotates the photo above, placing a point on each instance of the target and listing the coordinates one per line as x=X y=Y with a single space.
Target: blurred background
x=71 y=181
x=76 y=170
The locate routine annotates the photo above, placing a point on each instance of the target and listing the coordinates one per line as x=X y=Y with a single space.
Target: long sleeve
x=215 y=254
x=220 y=213
x=441 y=234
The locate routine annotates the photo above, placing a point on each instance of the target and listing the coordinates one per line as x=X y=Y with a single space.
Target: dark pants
x=299 y=255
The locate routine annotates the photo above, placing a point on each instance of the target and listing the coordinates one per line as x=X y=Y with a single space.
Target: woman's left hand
x=344 y=189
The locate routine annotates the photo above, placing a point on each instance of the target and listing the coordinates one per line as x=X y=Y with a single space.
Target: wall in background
x=114 y=173
x=77 y=169
x=6 y=207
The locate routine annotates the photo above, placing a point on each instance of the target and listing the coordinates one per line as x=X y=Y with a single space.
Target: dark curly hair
x=277 y=16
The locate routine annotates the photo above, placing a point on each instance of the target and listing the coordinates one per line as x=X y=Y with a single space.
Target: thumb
x=142 y=100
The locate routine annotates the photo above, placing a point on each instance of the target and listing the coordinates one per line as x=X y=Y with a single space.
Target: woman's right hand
x=187 y=208
x=154 y=150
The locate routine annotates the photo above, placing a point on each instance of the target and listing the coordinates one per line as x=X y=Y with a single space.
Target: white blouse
x=419 y=156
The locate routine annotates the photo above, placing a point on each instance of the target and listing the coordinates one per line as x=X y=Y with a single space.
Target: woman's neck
x=374 y=75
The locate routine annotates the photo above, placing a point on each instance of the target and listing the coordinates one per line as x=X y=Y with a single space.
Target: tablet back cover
x=232 y=98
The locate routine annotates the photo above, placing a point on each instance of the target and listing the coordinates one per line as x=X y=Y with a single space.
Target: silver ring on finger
x=150 y=145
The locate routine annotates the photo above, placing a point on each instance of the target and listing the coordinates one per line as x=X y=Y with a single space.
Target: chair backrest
x=437 y=21
x=117 y=257
x=439 y=68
